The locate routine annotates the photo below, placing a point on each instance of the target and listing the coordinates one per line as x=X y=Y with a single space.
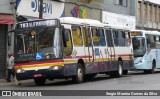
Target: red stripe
x=40 y=62
x=123 y=55
x=70 y=57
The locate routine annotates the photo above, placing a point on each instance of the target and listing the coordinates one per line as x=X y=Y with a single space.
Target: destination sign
x=136 y=34
x=37 y=23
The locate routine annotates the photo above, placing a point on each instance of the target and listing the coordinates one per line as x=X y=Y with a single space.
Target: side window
x=115 y=37
x=127 y=38
x=77 y=36
x=67 y=42
x=102 y=37
x=87 y=36
x=95 y=37
x=153 y=43
x=150 y=41
x=109 y=38
x=121 y=38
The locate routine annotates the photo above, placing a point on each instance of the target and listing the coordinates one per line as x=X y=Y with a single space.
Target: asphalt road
x=133 y=81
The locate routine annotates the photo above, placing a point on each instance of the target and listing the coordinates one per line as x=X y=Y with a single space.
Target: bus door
x=87 y=44
x=110 y=52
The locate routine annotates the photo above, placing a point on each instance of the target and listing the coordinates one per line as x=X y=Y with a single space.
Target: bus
x=146 y=48
x=70 y=47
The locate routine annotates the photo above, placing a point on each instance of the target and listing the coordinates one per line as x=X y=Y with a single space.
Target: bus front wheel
x=79 y=77
x=125 y=72
x=151 y=71
x=39 y=81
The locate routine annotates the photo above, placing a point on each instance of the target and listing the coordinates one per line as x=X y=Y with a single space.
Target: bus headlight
x=55 y=67
x=20 y=71
x=142 y=60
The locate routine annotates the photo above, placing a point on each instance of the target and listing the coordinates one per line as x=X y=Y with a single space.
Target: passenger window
x=98 y=37
x=102 y=37
x=77 y=36
x=95 y=37
x=115 y=36
x=127 y=38
x=67 y=42
x=87 y=37
x=109 y=38
x=121 y=38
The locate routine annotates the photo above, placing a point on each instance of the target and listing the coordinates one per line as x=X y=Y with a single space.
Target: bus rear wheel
x=79 y=77
x=39 y=81
x=119 y=72
x=125 y=72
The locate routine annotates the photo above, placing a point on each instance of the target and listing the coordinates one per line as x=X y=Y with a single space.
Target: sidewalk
x=3 y=83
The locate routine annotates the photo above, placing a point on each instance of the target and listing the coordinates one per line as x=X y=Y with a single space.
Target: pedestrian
x=10 y=64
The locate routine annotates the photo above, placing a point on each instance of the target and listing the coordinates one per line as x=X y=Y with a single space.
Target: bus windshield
x=139 y=48
x=38 y=44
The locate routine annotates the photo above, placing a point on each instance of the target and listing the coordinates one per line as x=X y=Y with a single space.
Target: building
x=6 y=24
x=146 y=12
x=124 y=7
x=90 y=9
x=148 y=16
x=29 y=9
x=120 y=12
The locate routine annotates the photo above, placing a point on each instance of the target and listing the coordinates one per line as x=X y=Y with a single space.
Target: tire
x=40 y=81
x=79 y=77
x=117 y=73
x=151 y=71
x=125 y=72
x=89 y=76
x=146 y=71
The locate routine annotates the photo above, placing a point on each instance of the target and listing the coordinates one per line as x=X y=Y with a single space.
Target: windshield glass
x=139 y=48
x=38 y=44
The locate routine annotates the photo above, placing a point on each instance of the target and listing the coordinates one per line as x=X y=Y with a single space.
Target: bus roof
x=79 y=21
x=116 y=27
x=147 y=32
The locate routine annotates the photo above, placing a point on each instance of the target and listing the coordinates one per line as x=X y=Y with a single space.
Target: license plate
x=37 y=75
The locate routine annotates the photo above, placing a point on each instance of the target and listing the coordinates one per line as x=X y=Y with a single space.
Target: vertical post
x=142 y=13
x=13 y=5
x=152 y=17
x=147 y=13
x=41 y=10
x=157 y=17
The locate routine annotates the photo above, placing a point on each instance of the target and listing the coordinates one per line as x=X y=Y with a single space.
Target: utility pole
x=41 y=10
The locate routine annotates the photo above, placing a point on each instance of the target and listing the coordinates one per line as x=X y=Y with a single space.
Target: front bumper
x=48 y=74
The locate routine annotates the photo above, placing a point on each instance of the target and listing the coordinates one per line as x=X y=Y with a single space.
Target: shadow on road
x=70 y=82
x=95 y=79
x=142 y=73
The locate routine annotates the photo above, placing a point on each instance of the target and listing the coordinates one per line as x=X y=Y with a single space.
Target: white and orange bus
x=71 y=48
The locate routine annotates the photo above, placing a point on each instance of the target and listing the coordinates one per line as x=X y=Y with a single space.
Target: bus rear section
x=146 y=48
